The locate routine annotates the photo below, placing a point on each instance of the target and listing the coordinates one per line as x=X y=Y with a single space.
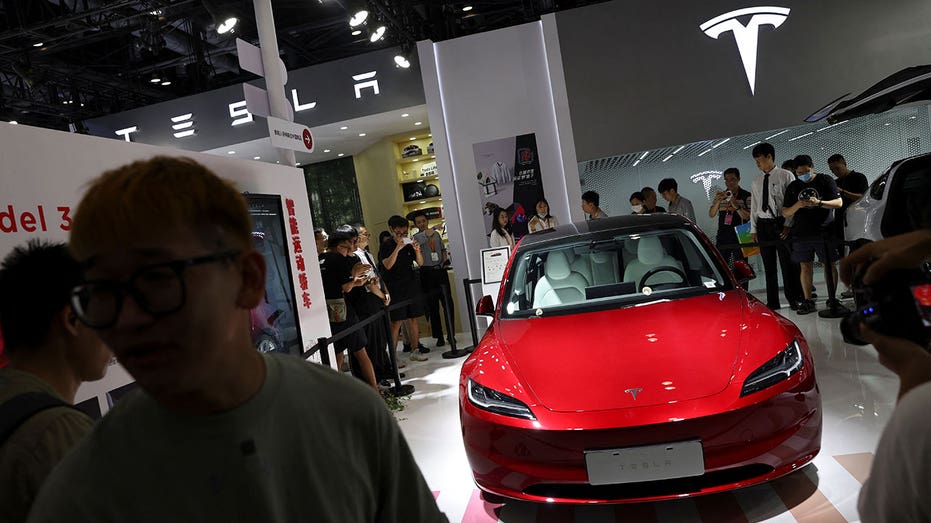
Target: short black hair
x=803 y=159
x=647 y=190
x=638 y=195
x=35 y=286
x=592 y=198
x=336 y=238
x=764 y=149
x=731 y=170
x=348 y=229
x=319 y=230
x=667 y=183
x=398 y=221
x=417 y=214
x=837 y=158
x=789 y=165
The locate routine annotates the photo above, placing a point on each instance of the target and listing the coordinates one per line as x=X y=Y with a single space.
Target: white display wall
x=491 y=86
x=44 y=173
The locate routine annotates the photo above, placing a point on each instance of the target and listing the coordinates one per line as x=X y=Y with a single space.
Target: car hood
x=632 y=357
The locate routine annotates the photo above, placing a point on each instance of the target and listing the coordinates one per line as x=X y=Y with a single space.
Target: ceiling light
x=361 y=135
x=227 y=25
x=752 y=144
x=256 y=157
x=466 y=9
x=802 y=136
x=418 y=123
x=777 y=134
x=166 y=83
x=298 y=164
x=38 y=44
x=357 y=32
x=230 y=152
x=416 y=160
x=155 y=80
x=378 y=34
x=636 y=163
x=405 y=115
x=413 y=138
x=402 y=62
x=706 y=151
x=666 y=159
x=14 y=122
x=430 y=135
x=343 y=128
x=722 y=142
x=326 y=150
x=359 y=18
x=340 y=155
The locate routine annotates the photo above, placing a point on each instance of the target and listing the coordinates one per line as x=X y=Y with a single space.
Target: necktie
x=765 y=205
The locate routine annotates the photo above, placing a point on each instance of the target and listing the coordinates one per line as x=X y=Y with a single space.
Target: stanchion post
x=467 y=283
x=324 y=353
x=398 y=389
x=450 y=325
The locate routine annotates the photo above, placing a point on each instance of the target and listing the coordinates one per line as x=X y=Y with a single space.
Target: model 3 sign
x=747 y=36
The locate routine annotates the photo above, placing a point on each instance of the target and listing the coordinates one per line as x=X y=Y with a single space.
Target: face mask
x=541 y=216
x=637 y=208
x=805 y=177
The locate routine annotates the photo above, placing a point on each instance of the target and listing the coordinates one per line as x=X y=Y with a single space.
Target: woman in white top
x=542 y=221
x=501 y=229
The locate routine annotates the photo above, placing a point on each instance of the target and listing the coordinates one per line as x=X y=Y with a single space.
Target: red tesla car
x=624 y=362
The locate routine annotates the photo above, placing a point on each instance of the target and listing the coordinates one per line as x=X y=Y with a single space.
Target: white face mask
x=637 y=208
x=542 y=216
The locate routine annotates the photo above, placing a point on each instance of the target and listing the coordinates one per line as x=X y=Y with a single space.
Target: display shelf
x=409 y=179
x=424 y=201
x=416 y=159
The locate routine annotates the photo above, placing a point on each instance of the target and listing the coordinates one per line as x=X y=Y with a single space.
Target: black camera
x=899 y=305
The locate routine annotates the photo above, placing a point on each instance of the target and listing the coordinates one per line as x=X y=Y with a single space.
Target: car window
x=879 y=187
x=619 y=270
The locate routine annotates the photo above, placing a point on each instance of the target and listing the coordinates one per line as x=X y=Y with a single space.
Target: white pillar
x=274 y=80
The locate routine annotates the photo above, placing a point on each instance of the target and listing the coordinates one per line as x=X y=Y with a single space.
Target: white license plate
x=646 y=463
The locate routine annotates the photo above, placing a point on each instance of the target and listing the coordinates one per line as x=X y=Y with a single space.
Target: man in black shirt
x=649 y=202
x=811 y=199
x=852 y=186
x=732 y=207
x=397 y=256
x=341 y=271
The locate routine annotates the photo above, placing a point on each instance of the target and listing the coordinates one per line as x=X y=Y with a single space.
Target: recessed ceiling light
x=430 y=135
x=413 y=138
x=38 y=44
x=422 y=201
x=340 y=155
x=361 y=135
x=402 y=61
x=256 y=157
x=166 y=83
x=467 y=8
x=357 y=32
x=230 y=152
x=405 y=115
x=434 y=157
x=378 y=33
x=14 y=122
x=298 y=164
x=416 y=159
x=358 y=18
x=227 y=25
x=326 y=150
x=418 y=123
x=277 y=161
x=155 y=80
x=343 y=128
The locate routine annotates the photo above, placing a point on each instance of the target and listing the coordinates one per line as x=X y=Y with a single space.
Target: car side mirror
x=743 y=271
x=485 y=307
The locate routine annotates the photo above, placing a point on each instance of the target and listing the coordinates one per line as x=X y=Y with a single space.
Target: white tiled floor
x=858 y=397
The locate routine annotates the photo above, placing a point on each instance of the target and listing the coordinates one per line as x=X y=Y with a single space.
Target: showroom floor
x=858 y=396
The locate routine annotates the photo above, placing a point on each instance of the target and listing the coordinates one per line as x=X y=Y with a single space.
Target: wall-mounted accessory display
x=413 y=191
x=411 y=150
x=428 y=169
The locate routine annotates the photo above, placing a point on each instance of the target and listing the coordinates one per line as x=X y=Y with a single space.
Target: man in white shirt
x=767 y=225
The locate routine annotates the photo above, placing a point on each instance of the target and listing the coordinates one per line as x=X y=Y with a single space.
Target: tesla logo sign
x=707 y=179
x=747 y=36
x=633 y=392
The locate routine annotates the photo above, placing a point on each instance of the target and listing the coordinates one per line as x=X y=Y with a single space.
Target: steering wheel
x=663 y=268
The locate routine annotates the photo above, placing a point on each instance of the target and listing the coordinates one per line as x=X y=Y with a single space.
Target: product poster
x=508 y=177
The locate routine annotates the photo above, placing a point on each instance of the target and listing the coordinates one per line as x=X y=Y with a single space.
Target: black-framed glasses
x=158 y=289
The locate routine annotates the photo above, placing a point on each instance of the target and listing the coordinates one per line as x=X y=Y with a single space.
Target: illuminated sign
x=706 y=178
x=746 y=36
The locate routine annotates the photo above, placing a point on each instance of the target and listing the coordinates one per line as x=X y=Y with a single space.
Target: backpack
x=18 y=409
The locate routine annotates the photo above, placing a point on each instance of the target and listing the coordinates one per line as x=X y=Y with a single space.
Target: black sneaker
x=806 y=307
x=423 y=349
x=407 y=347
x=440 y=342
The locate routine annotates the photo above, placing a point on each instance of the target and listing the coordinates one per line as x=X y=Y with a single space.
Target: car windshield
x=607 y=272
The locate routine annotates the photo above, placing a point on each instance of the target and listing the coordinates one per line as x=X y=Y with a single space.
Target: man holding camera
x=397 y=256
x=896 y=490
x=732 y=207
x=811 y=199
x=433 y=275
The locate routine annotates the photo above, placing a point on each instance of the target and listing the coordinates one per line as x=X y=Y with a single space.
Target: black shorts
x=411 y=310
x=354 y=342
x=804 y=250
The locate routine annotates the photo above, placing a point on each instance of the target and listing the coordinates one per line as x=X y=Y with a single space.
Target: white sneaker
x=418 y=356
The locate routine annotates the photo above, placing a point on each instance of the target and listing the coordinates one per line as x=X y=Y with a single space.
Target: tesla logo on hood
x=746 y=36
x=633 y=392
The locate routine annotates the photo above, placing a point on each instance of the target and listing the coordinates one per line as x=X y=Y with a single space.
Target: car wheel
x=266 y=343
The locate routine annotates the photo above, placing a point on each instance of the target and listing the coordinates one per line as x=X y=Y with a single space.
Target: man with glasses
x=216 y=431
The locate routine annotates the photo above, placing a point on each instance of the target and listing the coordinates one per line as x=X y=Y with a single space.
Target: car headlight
x=780 y=368
x=494 y=401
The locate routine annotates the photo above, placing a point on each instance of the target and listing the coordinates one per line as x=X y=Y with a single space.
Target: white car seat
x=604 y=268
x=560 y=285
x=581 y=264
x=650 y=255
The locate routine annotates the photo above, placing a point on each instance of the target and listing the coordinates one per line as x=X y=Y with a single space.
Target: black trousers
x=432 y=280
x=769 y=231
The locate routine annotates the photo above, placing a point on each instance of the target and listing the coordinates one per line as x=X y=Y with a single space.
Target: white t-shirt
x=898 y=487
x=312 y=445
x=497 y=240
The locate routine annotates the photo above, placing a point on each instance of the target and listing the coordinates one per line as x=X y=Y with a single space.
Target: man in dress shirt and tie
x=767 y=225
